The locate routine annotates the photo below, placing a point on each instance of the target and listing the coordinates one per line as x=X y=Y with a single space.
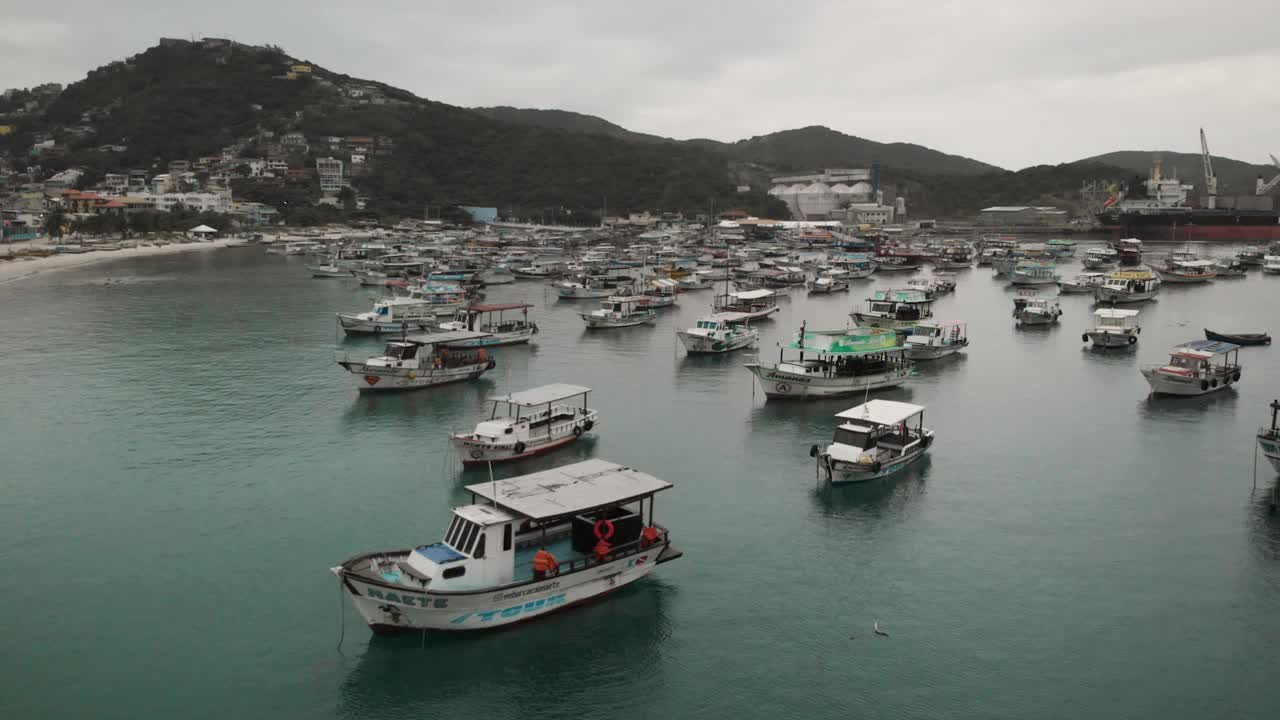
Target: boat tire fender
x=1133 y=339
x=813 y=451
x=577 y=431
x=1204 y=384
x=1236 y=376
x=875 y=466
x=1213 y=382
x=588 y=425
x=476 y=454
x=518 y=448
x=1084 y=337
x=492 y=364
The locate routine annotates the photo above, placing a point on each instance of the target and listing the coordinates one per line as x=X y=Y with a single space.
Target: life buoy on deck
x=605 y=523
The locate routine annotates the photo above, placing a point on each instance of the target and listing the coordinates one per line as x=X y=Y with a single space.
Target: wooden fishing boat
x=1239 y=338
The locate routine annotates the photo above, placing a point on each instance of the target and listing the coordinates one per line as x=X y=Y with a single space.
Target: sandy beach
x=23 y=267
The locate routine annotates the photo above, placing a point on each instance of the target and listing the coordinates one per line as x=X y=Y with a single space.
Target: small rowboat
x=1239 y=338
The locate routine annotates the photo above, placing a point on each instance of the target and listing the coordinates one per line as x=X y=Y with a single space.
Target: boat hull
x=392 y=609
x=1017 y=279
x=1036 y=318
x=1270 y=447
x=1103 y=294
x=515 y=337
x=1104 y=338
x=872 y=321
x=585 y=293
x=779 y=384
x=482 y=453
x=1166 y=384
x=381 y=379
x=596 y=323
x=1171 y=277
x=699 y=344
x=842 y=473
x=933 y=352
x=353 y=325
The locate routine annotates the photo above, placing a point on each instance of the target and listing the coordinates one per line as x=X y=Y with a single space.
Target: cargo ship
x=1165 y=215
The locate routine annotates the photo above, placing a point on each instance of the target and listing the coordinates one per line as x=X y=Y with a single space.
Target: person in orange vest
x=649 y=536
x=544 y=564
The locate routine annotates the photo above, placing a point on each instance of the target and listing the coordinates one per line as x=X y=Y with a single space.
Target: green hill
x=565 y=120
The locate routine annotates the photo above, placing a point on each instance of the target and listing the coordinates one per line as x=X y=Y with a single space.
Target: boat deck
x=561 y=548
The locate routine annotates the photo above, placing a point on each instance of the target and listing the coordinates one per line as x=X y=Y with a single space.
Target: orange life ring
x=607 y=524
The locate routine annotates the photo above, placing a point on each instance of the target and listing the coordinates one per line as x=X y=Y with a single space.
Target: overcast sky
x=1013 y=83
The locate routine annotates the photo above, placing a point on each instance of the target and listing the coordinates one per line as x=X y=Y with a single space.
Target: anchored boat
x=587 y=287
x=829 y=363
x=1269 y=438
x=873 y=440
x=1198 y=367
x=930 y=341
x=1032 y=309
x=1183 y=267
x=495 y=328
x=718 y=333
x=1113 y=328
x=1101 y=258
x=898 y=309
x=1034 y=273
x=527 y=423
x=591 y=516
x=620 y=311
x=1083 y=283
x=747 y=304
x=1127 y=286
x=419 y=310
x=418 y=361
x=828 y=284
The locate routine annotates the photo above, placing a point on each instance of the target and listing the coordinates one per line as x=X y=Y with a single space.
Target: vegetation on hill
x=565 y=120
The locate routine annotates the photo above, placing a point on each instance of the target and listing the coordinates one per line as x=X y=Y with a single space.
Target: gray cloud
x=1012 y=83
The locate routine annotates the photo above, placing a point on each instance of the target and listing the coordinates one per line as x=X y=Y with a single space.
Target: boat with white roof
x=718 y=333
x=828 y=284
x=586 y=287
x=933 y=340
x=528 y=423
x=830 y=363
x=592 y=517
x=1183 y=267
x=418 y=361
x=873 y=440
x=1034 y=273
x=1127 y=286
x=747 y=304
x=328 y=270
x=618 y=312
x=1198 y=367
x=1113 y=327
x=421 y=309
x=1101 y=258
x=1030 y=308
x=662 y=292
x=898 y=309
x=496 y=326
x=1085 y=282
x=1271 y=264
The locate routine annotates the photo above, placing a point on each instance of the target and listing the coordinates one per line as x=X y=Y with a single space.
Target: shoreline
x=19 y=269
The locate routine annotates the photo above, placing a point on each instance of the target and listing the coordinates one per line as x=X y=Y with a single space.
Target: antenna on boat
x=493 y=483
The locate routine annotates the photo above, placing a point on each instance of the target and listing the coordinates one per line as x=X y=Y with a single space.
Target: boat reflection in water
x=393 y=678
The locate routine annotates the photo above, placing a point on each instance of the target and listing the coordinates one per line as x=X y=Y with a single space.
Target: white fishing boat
x=1269 y=438
x=661 y=292
x=1101 y=258
x=872 y=440
x=421 y=309
x=1083 y=283
x=373 y=278
x=299 y=247
x=1198 y=367
x=1127 y=286
x=830 y=363
x=1251 y=255
x=1061 y=247
x=1030 y=308
x=417 y=361
x=1229 y=268
x=857 y=266
x=1113 y=328
x=1185 y=268
x=942 y=282
x=1271 y=264
x=496 y=327
x=528 y=423
x=898 y=309
x=718 y=333
x=896 y=263
x=590 y=516
x=827 y=284
x=697 y=280
x=586 y=287
x=328 y=270
x=930 y=341
x=747 y=304
x=618 y=312
x=1034 y=273
x=542 y=270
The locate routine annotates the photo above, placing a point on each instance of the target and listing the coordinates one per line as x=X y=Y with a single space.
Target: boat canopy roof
x=846 y=341
x=664 y=283
x=1131 y=275
x=753 y=294
x=498 y=307
x=542 y=395
x=1115 y=313
x=881 y=412
x=1211 y=347
x=445 y=337
x=569 y=489
x=1194 y=263
x=726 y=317
x=905 y=295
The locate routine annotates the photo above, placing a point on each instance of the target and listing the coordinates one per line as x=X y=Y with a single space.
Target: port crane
x=1210 y=180
x=1265 y=187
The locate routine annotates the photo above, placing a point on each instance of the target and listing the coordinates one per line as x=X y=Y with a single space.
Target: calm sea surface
x=183 y=461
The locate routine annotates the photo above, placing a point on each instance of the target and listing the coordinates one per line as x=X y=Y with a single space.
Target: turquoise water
x=184 y=461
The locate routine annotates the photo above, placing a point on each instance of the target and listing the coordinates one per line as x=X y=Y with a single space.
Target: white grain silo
x=861 y=192
x=843 y=193
x=816 y=200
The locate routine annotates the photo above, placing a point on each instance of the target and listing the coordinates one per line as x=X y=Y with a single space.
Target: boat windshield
x=402 y=351
x=858 y=439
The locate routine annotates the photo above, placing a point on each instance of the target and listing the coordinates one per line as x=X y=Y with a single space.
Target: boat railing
x=616 y=552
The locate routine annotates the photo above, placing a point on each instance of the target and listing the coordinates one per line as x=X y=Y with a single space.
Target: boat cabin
x=747 y=301
x=878 y=430
x=535 y=414
x=906 y=305
x=845 y=352
x=1196 y=359
x=493 y=319
x=1131 y=281
x=490 y=543
x=1115 y=320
